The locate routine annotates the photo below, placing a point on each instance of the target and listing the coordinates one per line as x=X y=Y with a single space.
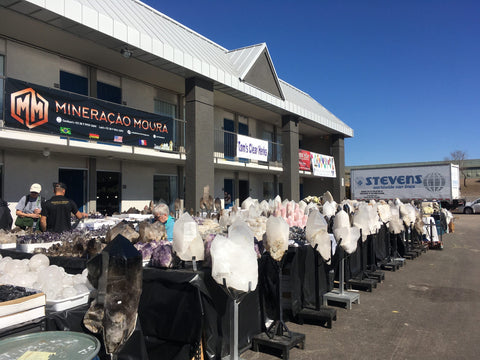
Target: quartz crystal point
x=395 y=225
x=361 y=219
x=384 y=212
x=235 y=260
x=327 y=196
x=408 y=214
x=316 y=234
x=116 y=273
x=344 y=232
x=187 y=240
x=329 y=209
x=277 y=237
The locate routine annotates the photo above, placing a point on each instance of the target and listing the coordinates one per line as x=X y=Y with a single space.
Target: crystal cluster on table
x=37 y=273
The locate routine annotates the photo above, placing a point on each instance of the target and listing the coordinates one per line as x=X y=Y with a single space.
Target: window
x=73 y=83
x=268 y=190
x=164 y=108
x=109 y=92
x=165 y=189
x=2 y=83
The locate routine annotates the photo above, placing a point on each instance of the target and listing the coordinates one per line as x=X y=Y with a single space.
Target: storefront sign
x=304 y=160
x=42 y=109
x=323 y=165
x=251 y=148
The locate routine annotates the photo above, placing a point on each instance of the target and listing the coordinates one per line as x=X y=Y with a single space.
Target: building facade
x=126 y=105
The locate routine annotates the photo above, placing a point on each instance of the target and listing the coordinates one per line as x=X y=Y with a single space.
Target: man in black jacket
x=5 y=216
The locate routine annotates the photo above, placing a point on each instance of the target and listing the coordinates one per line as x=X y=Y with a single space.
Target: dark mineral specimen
x=116 y=273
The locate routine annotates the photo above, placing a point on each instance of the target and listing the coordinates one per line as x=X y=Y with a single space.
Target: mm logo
x=29 y=108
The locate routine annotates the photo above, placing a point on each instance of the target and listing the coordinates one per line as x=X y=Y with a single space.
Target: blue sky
x=404 y=74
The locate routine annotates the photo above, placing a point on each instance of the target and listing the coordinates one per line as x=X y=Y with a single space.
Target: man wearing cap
x=56 y=213
x=29 y=208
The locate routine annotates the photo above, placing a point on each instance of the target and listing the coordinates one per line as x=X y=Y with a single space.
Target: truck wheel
x=468 y=210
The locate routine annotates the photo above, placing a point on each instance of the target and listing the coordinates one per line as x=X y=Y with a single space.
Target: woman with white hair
x=161 y=213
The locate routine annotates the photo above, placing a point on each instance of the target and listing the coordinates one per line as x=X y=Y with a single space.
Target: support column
x=199 y=146
x=338 y=152
x=92 y=185
x=92 y=83
x=291 y=178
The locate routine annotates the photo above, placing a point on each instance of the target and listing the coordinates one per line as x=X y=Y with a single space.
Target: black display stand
x=388 y=263
x=362 y=281
x=321 y=314
x=371 y=269
x=236 y=297
x=277 y=335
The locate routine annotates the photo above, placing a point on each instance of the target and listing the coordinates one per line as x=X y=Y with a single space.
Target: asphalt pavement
x=428 y=309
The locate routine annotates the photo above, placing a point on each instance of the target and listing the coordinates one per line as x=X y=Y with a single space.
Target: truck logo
x=434 y=182
x=29 y=108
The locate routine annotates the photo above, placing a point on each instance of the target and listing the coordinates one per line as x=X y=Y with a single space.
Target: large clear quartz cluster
x=116 y=273
x=342 y=230
x=234 y=258
x=408 y=214
x=277 y=233
x=395 y=226
x=187 y=240
x=329 y=209
x=361 y=219
x=317 y=234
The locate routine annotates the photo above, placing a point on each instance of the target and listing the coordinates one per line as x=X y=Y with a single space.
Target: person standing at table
x=5 y=216
x=161 y=213
x=29 y=208
x=56 y=213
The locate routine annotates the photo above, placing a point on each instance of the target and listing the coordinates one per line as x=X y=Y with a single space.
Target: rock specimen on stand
x=345 y=234
x=316 y=234
x=276 y=237
x=235 y=260
x=361 y=219
x=329 y=208
x=116 y=274
x=384 y=211
x=187 y=240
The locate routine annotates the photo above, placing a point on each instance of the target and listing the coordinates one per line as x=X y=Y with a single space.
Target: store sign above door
x=38 y=108
x=251 y=148
x=318 y=164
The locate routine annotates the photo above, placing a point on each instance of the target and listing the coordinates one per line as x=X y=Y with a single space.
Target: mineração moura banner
x=38 y=108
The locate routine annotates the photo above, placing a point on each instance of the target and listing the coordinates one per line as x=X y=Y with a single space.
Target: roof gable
x=254 y=66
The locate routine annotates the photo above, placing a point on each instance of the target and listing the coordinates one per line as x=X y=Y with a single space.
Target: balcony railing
x=225 y=147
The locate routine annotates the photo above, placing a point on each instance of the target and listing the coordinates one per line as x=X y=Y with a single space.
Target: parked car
x=470 y=207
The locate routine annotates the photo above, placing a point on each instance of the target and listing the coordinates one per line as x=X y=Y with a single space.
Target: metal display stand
x=236 y=297
x=277 y=335
x=341 y=295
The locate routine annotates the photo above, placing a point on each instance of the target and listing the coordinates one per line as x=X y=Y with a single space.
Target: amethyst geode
x=116 y=274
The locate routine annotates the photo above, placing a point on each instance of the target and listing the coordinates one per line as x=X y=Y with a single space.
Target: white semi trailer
x=423 y=182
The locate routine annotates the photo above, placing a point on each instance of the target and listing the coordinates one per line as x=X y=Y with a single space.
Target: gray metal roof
x=161 y=41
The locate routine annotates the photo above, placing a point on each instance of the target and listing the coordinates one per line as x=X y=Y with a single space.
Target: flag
x=142 y=142
x=94 y=136
x=65 y=131
x=117 y=138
